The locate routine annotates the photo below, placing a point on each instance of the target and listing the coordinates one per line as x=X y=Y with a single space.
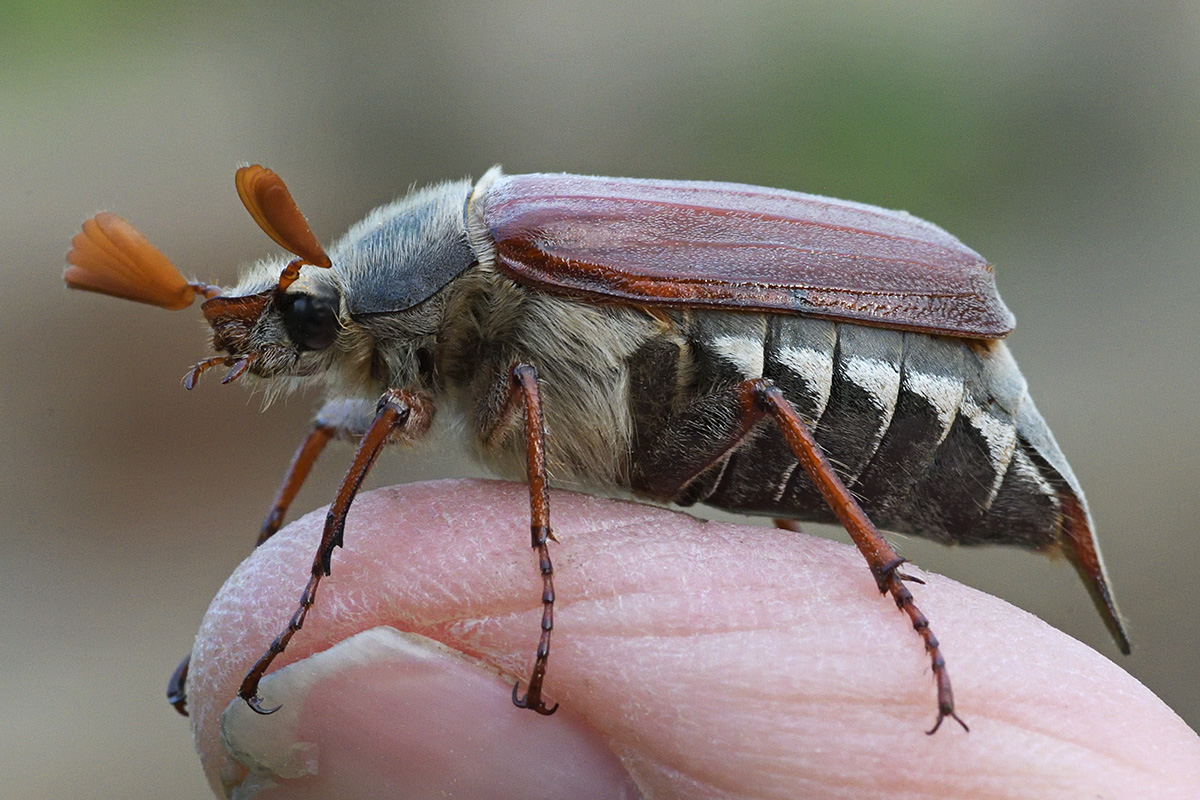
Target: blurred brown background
x=1059 y=139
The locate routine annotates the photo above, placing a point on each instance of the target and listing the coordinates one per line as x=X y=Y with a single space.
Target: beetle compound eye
x=311 y=321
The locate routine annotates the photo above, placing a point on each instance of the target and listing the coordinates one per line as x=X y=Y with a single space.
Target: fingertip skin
x=710 y=659
x=384 y=713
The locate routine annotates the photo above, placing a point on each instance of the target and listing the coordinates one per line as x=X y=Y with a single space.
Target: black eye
x=311 y=321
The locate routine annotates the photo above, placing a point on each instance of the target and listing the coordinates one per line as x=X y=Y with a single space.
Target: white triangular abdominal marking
x=1001 y=439
x=815 y=368
x=879 y=379
x=944 y=394
x=744 y=352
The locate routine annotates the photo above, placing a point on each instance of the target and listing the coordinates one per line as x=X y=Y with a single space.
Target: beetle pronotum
x=704 y=342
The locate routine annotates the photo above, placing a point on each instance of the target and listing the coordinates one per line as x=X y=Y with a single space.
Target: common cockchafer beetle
x=758 y=350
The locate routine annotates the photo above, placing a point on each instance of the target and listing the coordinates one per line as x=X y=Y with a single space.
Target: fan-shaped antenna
x=268 y=200
x=111 y=257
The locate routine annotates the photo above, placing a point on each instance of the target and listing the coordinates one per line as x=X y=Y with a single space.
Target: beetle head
x=264 y=328
x=272 y=332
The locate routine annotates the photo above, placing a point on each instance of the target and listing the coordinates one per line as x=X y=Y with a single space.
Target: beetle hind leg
x=728 y=419
x=764 y=397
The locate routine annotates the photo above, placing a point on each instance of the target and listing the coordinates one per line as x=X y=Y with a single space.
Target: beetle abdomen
x=934 y=436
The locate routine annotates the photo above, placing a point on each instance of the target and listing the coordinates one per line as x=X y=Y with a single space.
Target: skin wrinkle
x=598 y=598
x=766 y=622
x=1023 y=723
x=771 y=763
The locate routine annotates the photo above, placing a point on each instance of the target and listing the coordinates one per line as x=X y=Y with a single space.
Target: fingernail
x=392 y=714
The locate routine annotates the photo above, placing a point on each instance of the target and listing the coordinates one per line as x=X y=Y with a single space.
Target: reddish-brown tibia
x=523 y=393
x=761 y=397
x=268 y=200
x=302 y=463
x=109 y=256
x=404 y=414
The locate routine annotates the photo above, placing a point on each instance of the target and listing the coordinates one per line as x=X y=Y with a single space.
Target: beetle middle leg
x=523 y=393
x=727 y=419
x=400 y=413
x=297 y=472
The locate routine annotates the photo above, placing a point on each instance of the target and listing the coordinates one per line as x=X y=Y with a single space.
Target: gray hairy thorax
x=582 y=353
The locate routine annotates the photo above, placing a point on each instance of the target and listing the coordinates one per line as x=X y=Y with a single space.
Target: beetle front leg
x=724 y=421
x=302 y=462
x=402 y=413
x=337 y=419
x=523 y=393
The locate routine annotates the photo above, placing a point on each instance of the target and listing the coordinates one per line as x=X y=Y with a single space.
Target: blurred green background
x=1059 y=139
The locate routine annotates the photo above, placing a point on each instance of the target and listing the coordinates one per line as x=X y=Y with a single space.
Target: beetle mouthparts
x=238 y=367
